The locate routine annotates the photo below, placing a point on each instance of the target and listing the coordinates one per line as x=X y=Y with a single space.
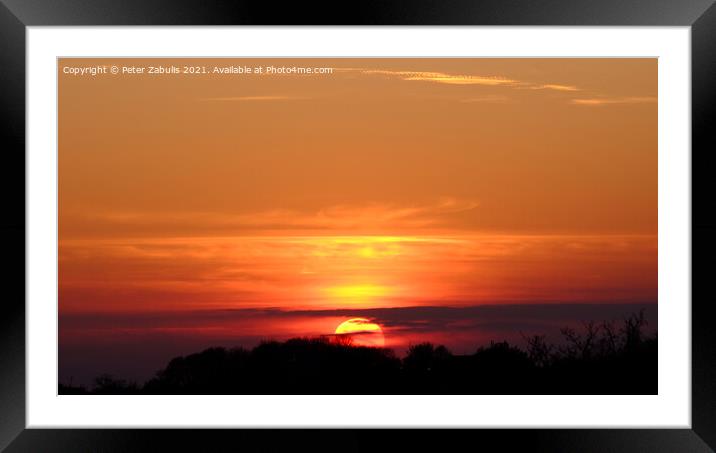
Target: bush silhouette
x=106 y=384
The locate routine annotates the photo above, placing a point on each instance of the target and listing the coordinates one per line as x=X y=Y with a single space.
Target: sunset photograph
x=357 y=226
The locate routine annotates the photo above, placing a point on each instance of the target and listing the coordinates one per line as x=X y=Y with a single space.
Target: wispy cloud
x=327 y=270
x=611 y=101
x=441 y=77
x=465 y=79
x=499 y=81
x=553 y=86
x=336 y=217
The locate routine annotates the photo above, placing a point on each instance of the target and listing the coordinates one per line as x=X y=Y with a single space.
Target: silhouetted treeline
x=598 y=359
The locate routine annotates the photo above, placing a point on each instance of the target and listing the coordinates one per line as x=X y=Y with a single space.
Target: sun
x=361 y=332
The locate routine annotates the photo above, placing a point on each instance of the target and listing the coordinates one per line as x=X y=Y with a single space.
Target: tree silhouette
x=598 y=359
x=539 y=351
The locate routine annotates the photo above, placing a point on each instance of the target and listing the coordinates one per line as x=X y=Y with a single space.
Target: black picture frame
x=16 y=15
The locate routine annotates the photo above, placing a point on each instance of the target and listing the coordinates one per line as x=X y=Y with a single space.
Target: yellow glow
x=358 y=291
x=367 y=252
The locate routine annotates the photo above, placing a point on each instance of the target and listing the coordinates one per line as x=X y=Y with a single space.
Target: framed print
x=237 y=223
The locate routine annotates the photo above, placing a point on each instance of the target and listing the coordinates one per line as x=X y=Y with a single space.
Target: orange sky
x=390 y=182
